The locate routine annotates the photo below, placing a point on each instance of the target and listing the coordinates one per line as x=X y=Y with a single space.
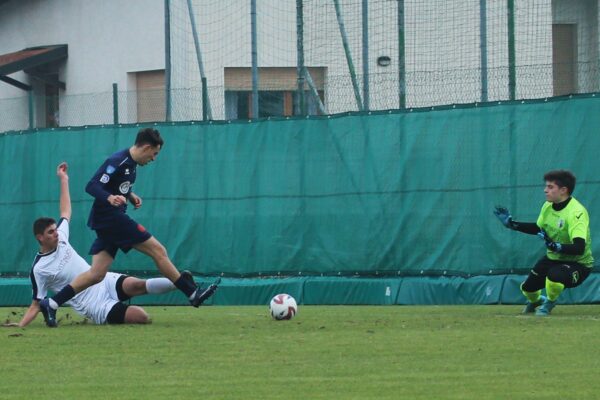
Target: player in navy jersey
x=57 y=263
x=111 y=186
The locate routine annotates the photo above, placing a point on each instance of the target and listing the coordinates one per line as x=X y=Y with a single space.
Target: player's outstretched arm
x=29 y=316
x=504 y=216
x=65 y=196
x=507 y=220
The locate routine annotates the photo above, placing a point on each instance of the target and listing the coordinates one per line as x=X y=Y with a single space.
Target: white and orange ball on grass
x=283 y=306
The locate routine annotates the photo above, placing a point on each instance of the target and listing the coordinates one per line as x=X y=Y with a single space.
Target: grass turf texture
x=326 y=352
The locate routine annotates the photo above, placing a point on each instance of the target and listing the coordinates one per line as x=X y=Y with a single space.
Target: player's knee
x=527 y=286
x=137 y=315
x=96 y=276
x=143 y=318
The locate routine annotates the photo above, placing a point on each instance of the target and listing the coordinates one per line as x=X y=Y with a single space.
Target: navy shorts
x=123 y=234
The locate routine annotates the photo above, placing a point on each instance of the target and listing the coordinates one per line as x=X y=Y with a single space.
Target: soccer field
x=326 y=352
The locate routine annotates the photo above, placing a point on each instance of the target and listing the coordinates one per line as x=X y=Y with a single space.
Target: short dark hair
x=562 y=177
x=40 y=225
x=149 y=136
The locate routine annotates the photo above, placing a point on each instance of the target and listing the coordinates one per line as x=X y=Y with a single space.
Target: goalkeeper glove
x=544 y=236
x=504 y=216
x=550 y=245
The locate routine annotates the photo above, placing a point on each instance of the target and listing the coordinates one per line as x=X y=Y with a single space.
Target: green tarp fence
x=382 y=194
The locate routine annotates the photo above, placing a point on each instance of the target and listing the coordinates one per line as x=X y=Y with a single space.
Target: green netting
x=389 y=193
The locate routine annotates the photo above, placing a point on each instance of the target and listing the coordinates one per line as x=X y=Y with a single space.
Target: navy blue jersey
x=115 y=177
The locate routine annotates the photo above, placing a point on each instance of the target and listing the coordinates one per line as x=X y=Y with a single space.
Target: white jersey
x=56 y=269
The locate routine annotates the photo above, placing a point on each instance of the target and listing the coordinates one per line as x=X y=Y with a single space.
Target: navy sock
x=185 y=286
x=65 y=294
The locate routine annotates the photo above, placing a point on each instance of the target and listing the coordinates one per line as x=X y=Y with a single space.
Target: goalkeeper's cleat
x=200 y=295
x=545 y=309
x=530 y=307
x=49 y=313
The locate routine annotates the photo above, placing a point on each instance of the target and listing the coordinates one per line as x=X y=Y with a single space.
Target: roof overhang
x=32 y=60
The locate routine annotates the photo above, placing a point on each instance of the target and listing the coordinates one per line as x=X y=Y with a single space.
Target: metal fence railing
x=423 y=89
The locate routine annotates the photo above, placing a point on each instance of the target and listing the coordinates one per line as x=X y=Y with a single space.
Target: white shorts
x=96 y=301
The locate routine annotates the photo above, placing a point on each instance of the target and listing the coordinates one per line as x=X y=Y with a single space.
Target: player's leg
x=123 y=314
x=533 y=285
x=561 y=276
x=132 y=286
x=122 y=287
x=153 y=248
x=136 y=315
x=101 y=262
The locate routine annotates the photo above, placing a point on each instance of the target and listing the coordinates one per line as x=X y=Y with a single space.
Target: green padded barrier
x=258 y=291
x=15 y=292
x=325 y=290
x=234 y=291
x=587 y=293
x=494 y=289
x=174 y=298
x=451 y=290
x=511 y=292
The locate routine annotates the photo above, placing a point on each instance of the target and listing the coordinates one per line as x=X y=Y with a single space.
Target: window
x=151 y=100
x=51 y=106
x=276 y=95
x=564 y=58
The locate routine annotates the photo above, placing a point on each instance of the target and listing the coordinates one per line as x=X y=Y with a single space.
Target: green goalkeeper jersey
x=565 y=225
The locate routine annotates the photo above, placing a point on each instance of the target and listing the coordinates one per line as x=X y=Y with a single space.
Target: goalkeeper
x=564 y=226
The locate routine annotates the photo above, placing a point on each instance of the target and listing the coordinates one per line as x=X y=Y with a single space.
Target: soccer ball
x=283 y=306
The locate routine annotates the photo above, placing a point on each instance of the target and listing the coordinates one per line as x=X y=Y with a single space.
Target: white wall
x=579 y=12
x=442 y=48
x=110 y=39
x=106 y=39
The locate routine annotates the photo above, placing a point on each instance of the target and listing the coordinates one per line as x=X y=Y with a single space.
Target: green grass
x=326 y=352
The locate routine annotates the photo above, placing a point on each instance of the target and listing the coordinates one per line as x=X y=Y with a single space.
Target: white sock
x=159 y=285
x=53 y=304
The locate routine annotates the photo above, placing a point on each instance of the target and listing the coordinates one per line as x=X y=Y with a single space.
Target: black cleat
x=49 y=313
x=200 y=295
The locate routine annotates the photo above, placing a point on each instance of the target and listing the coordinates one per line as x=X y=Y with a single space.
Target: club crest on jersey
x=104 y=178
x=561 y=223
x=124 y=187
x=110 y=169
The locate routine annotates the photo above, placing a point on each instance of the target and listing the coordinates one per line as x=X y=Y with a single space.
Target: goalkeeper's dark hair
x=40 y=225
x=149 y=136
x=562 y=178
